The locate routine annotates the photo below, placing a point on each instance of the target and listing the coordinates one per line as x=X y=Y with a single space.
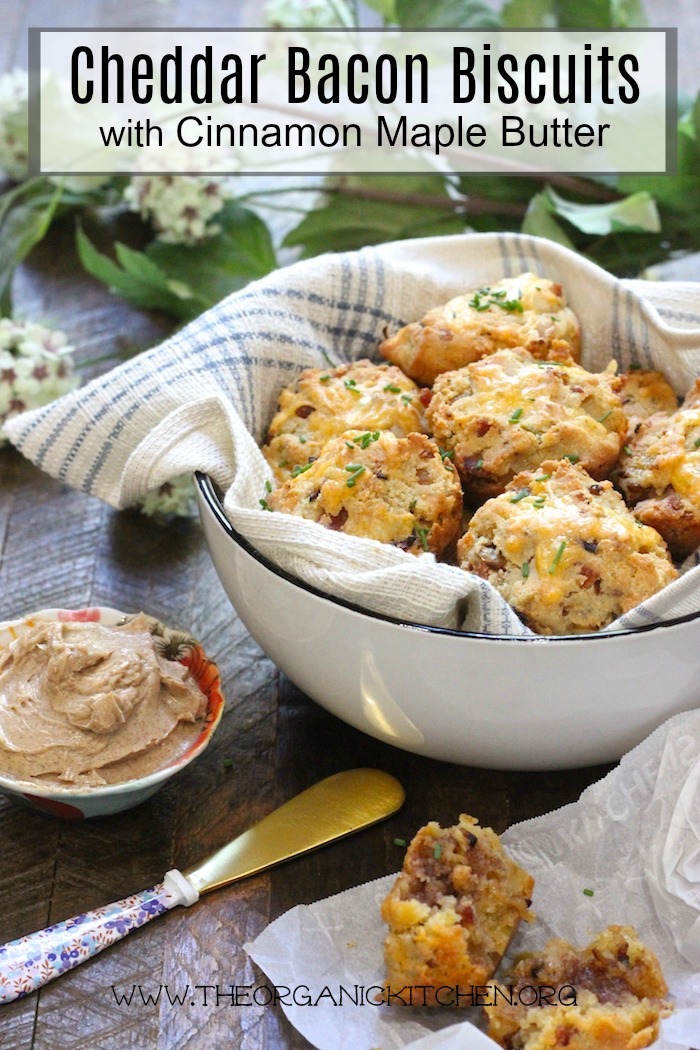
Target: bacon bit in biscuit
x=338 y=520
x=590 y=576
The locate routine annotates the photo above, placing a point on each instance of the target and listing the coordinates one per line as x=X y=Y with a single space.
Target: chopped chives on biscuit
x=322 y=403
x=509 y=412
x=370 y=483
x=564 y=551
x=527 y=310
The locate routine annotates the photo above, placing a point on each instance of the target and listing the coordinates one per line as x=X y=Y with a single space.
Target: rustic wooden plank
x=61 y=547
x=206 y=961
x=533 y=794
x=81 y=552
x=28 y=839
x=12 y=38
x=18 y=1021
x=81 y=1009
x=232 y=790
x=27 y=867
x=434 y=791
x=145 y=14
x=53 y=289
x=25 y=14
x=47 y=552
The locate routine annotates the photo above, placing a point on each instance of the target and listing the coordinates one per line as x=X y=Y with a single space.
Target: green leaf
x=528 y=14
x=573 y=14
x=688 y=144
x=593 y=14
x=515 y=189
x=693 y=123
x=634 y=214
x=138 y=280
x=629 y=14
x=385 y=8
x=688 y=156
x=369 y=209
x=26 y=213
x=685 y=102
x=599 y=14
x=445 y=14
x=241 y=253
x=144 y=270
x=681 y=193
x=509 y=196
x=184 y=280
x=540 y=222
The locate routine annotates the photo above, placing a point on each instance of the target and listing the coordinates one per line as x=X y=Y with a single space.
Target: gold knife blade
x=337 y=806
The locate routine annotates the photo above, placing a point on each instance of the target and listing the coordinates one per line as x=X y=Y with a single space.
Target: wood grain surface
x=63 y=548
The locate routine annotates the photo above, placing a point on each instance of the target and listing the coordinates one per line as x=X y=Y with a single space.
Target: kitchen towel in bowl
x=203 y=399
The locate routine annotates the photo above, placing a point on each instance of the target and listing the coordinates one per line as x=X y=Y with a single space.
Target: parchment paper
x=633 y=839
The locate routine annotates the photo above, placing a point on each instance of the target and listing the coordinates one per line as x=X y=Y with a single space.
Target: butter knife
x=335 y=807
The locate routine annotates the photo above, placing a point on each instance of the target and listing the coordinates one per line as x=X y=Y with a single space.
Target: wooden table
x=62 y=548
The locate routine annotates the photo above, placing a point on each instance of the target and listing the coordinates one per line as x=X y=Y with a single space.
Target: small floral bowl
x=77 y=803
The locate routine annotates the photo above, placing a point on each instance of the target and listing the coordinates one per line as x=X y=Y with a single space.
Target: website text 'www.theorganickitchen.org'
x=247 y=995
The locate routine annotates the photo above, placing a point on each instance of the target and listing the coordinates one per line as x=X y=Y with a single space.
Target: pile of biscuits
x=483 y=441
x=451 y=915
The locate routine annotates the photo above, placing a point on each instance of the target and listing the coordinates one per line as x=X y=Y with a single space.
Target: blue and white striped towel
x=203 y=399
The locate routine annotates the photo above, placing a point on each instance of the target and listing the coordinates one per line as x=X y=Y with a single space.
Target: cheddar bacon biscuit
x=451 y=912
x=659 y=473
x=371 y=483
x=619 y=997
x=323 y=403
x=564 y=551
x=508 y=412
x=528 y=311
x=643 y=393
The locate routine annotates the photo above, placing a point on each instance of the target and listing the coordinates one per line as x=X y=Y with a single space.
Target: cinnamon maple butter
x=84 y=704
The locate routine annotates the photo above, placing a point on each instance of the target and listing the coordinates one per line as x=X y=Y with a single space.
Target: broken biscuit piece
x=452 y=912
x=610 y=995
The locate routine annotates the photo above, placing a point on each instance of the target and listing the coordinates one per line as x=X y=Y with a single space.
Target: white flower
x=36 y=367
x=14 y=124
x=308 y=14
x=180 y=207
x=80 y=183
x=174 y=499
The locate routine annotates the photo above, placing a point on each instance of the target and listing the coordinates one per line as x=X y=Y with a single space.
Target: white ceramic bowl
x=76 y=803
x=495 y=702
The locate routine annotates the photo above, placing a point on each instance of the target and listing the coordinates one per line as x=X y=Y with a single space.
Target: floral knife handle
x=29 y=962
